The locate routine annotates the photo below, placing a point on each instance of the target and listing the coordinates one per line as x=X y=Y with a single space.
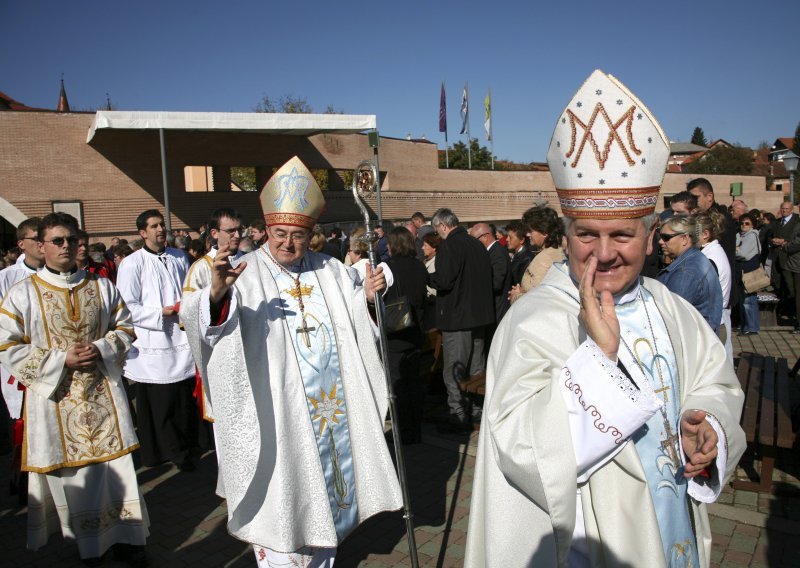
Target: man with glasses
x=32 y=260
x=64 y=333
x=286 y=347
x=160 y=363
x=225 y=227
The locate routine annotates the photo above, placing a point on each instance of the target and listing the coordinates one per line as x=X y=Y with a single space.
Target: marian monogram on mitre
x=601 y=128
x=292 y=189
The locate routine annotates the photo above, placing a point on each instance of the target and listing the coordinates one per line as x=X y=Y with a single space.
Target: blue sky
x=720 y=65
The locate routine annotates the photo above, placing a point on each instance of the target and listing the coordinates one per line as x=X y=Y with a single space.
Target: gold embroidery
x=304 y=290
x=613 y=136
x=9 y=344
x=15 y=317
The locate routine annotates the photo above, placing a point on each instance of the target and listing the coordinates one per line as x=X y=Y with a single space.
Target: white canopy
x=273 y=123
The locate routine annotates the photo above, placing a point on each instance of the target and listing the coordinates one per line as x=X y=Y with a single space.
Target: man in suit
x=501 y=268
x=782 y=277
x=464 y=308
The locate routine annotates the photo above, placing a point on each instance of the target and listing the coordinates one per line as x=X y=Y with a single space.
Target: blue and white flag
x=464 y=111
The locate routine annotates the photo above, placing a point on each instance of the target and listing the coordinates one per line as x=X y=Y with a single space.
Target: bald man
x=501 y=268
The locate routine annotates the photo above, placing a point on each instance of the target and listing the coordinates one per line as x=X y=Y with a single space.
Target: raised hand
x=699 y=440
x=223 y=275
x=599 y=317
x=374 y=282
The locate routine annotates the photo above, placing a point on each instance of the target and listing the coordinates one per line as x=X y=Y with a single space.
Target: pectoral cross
x=664 y=390
x=670 y=443
x=304 y=329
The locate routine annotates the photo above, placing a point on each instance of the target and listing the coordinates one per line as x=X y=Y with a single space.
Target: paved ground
x=188 y=520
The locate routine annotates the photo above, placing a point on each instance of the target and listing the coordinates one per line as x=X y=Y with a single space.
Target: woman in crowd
x=430 y=244
x=690 y=274
x=405 y=345
x=710 y=225
x=545 y=232
x=748 y=258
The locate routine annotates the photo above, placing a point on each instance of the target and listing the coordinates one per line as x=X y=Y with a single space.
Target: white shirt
x=714 y=252
x=148 y=283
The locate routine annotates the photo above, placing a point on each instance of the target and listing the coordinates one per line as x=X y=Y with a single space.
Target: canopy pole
x=167 y=220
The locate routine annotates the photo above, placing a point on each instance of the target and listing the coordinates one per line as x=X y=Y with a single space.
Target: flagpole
x=469 y=138
x=491 y=126
x=443 y=110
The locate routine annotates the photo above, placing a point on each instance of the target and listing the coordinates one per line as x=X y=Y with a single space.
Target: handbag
x=397 y=312
x=755 y=280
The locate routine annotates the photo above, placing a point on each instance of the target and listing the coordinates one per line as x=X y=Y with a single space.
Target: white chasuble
x=284 y=416
x=556 y=461
x=72 y=418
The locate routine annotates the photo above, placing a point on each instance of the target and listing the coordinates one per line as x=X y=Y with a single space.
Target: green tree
x=699 y=137
x=459 y=160
x=729 y=160
x=796 y=145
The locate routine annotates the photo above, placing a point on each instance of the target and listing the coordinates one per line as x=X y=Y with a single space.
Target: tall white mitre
x=608 y=154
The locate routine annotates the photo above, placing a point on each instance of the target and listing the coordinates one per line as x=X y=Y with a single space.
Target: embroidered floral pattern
x=591 y=409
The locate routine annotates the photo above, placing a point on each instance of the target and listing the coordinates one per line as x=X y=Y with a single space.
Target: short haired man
x=64 y=333
x=738 y=208
x=606 y=395
x=782 y=278
x=501 y=268
x=258 y=232
x=225 y=227
x=423 y=228
x=151 y=282
x=464 y=309
x=683 y=203
x=285 y=342
x=85 y=262
x=521 y=254
x=32 y=260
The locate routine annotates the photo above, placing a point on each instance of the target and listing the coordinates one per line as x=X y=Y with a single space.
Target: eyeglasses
x=746 y=224
x=59 y=241
x=29 y=239
x=232 y=232
x=667 y=236
x=296 y=237
x=482 y=235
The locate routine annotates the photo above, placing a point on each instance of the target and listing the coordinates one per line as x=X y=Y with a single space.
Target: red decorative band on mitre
x=281 y=218
x=608 y=203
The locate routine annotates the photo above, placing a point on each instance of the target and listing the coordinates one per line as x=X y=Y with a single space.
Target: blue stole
x=657 y=441
x=318 y=360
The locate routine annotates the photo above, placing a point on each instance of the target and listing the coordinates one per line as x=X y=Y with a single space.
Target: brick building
x=106 y=175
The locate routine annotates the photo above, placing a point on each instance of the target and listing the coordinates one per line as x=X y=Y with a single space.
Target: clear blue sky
x=720 y=65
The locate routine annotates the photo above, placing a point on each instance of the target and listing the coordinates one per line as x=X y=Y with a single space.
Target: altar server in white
x=612 y=412
x=286 y=343
x=64 y=334
x=160 y=362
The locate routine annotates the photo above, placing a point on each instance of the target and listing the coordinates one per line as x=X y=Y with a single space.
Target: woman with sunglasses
x=748 y=258
x=690 y=274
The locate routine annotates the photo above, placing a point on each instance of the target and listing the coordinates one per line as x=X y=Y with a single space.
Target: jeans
x=750 y=321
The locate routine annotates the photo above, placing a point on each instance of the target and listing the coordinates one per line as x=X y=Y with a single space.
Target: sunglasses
x=59 y=241
x=666 y=237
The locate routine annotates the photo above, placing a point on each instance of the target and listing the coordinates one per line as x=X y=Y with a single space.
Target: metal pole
x=164 y=179
x=791 y=189
x=361 y=186
x=377 y=182
x=469 y=138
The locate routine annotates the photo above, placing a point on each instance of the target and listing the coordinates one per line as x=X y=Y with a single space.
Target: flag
x=464 y=111
x=63 y=103
x=487 y=124
x=442 y=112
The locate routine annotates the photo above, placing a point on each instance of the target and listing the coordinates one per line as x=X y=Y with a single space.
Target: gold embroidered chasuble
x=72 y=418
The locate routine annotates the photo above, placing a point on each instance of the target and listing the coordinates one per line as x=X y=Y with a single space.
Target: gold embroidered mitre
x=292 y=196
x=608 y=154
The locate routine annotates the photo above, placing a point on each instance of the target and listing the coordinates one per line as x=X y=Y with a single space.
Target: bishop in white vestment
x=612 y=413
x=65 y=333
x=286 y=344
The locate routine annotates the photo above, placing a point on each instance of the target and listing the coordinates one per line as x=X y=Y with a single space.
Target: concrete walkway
x=188 y=520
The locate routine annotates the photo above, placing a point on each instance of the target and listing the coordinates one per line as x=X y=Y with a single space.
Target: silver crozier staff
x=365 y=181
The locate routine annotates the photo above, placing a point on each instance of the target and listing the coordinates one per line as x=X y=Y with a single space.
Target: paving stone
x=722 y=526
x=742 y=543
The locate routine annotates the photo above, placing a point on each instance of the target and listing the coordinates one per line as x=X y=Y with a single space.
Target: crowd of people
x=592 y=372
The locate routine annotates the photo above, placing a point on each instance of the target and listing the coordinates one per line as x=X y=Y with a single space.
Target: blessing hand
x=599 y=317
x=223 y=275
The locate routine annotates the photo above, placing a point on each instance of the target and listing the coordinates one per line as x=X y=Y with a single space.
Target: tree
x=796 y=145
x=730 y=160
x=699 y=137
x=459 y=160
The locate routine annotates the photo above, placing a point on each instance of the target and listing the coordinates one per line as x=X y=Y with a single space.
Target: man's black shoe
x=749 y=333
x=130 y=554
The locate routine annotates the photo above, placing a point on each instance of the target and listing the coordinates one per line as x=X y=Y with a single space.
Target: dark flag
x=442 y=111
